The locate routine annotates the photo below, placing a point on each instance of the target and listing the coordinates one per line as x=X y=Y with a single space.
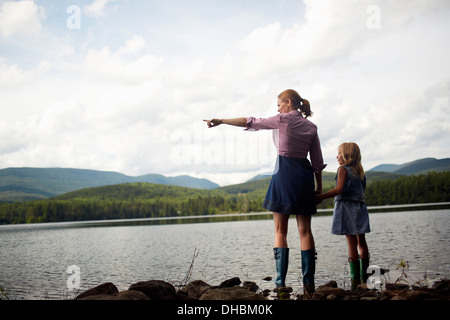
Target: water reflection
x=34 y=258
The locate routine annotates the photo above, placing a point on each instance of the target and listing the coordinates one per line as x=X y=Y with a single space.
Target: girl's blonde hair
x=352 y=156
x=298 y=102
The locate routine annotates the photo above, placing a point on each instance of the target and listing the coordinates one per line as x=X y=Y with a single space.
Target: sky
x=121 y=85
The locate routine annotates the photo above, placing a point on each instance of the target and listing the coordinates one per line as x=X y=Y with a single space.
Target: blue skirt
x=291 y=190
x=350 y=218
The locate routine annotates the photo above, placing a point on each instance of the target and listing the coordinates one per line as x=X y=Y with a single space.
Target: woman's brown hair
x=298 y=102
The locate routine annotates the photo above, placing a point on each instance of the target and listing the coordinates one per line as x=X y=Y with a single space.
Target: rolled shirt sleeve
x=255 y=124
x=315 y=154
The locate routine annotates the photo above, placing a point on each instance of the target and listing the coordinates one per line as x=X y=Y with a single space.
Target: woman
x=291 y=190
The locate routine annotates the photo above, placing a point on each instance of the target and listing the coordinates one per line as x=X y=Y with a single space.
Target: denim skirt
x=350 y=218
x=291 y=189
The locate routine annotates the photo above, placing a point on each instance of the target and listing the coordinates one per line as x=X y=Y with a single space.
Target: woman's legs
x=281 y=250
x=308 y=253
x=304 y=229
x=281 y=229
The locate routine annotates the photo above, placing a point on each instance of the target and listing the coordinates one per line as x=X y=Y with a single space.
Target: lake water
x=34 y=258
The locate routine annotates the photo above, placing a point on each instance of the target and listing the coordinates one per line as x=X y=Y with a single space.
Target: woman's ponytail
x=305 y=108
x=297 y=102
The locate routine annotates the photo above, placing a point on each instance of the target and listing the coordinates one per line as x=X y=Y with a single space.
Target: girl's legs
x=357 y=243
x=362 y=246
x=364 y=256
x=352 y=243
x=358 y=263
x=353 y=260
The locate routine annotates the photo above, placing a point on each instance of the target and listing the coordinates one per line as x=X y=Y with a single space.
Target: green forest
x=146 y=200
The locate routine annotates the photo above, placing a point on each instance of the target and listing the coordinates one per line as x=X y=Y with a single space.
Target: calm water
x=34 y=258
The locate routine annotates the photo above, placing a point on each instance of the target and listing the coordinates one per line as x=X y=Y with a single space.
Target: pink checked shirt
x=297 y=136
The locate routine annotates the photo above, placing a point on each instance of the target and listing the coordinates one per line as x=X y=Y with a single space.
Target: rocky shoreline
x=234 y=289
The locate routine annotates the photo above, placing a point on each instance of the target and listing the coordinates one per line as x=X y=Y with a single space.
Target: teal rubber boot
x=308 y=270
x=281 y=256
x=355 y=276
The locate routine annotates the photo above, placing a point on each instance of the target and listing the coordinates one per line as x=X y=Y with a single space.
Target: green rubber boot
x=355 y=275
x=364 y=264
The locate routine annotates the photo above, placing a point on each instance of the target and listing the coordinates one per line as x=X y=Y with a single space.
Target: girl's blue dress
x=350 y=215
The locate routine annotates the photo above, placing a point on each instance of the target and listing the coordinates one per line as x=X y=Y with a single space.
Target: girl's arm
x=342 y=176
x=238 y=122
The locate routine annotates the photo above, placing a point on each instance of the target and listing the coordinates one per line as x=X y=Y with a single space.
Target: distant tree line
x=139 y=200
x=424 y=188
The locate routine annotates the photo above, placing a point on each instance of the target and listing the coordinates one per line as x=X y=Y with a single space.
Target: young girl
x=350 y=216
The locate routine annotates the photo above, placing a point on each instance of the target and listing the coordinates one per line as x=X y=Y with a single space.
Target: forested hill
x=145 y=200
x=19 y=184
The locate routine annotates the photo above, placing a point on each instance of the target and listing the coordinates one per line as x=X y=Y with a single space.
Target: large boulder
x=195 y=289
x=155 y=289
x=123 y=295
x=107 y=288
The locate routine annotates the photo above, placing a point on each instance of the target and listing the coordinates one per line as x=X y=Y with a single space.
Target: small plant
x=3 y=295
x=191 y=267
x=402 y=265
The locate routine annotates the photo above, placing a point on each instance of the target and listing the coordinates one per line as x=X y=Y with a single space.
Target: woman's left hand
x=213 y=122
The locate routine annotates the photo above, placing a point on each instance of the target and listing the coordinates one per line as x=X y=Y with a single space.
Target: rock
x=230 y=283
x=329 y=284
x=195 y=289
x=396 y=286
x=155 y=289
x=442 y=285
x=250 y=285
x=423 y=293
x=231 y=293
x=323 y=292
x=107 y=288
x=123 y=295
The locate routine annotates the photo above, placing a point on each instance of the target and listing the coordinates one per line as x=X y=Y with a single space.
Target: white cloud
x=117 y=105
x=20 y=17
x=97 y=7
x=12 y=75
x=116 y=66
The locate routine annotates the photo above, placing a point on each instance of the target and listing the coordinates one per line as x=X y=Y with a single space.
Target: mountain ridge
x=27 y=183
x=418 y=166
